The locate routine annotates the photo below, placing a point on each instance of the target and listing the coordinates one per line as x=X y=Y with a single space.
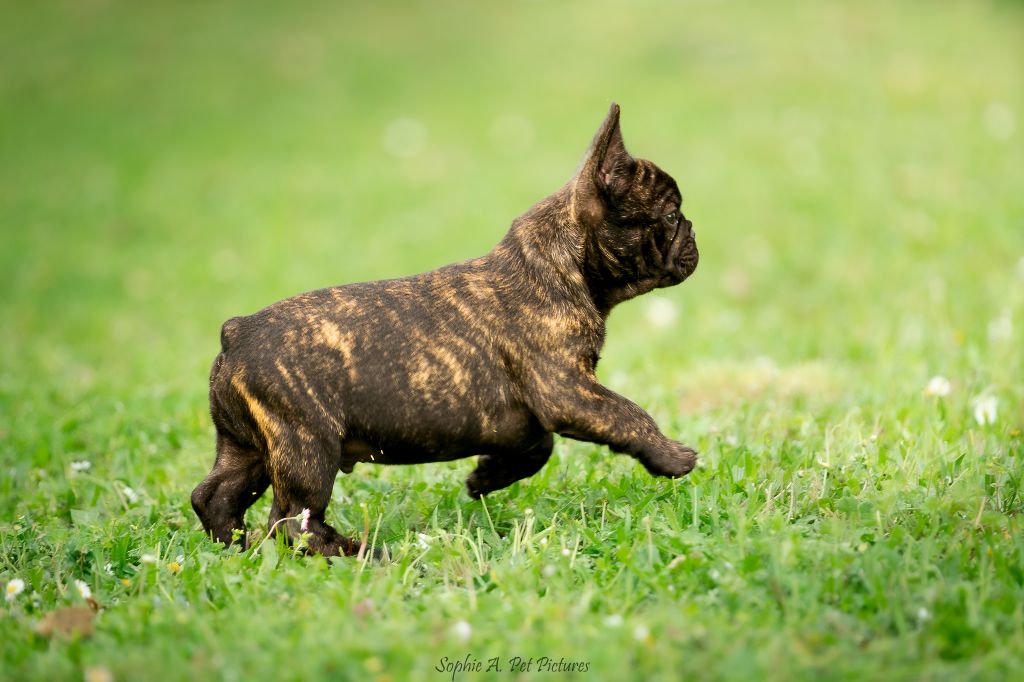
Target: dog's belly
x=414 y=428
x=431 y=442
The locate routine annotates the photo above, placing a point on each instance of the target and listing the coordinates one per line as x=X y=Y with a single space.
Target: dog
x=490 y=357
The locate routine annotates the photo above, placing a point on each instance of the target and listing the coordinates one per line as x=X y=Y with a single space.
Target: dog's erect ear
x=608 y=166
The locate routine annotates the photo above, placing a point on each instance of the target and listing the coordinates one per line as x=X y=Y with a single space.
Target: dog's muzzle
x=680 y=254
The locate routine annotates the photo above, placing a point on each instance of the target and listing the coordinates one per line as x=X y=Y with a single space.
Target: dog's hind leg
x=238 y=478
x=302 y=471
x=494 y=472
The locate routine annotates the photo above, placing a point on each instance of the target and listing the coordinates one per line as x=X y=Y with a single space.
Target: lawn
x=854 y=172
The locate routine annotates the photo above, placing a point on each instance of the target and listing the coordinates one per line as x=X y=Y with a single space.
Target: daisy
x=661 y=312
x=985 y=409
x=130 y=494
x=14 y=588
x=462 y=630
x=938 y=387
x=613 y=621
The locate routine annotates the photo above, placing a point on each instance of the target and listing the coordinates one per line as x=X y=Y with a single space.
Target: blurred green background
x=854 y=171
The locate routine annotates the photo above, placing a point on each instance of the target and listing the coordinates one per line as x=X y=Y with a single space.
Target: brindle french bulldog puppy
x=488 y=357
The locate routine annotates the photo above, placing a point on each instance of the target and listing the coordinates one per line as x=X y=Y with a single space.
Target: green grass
x=854 y=173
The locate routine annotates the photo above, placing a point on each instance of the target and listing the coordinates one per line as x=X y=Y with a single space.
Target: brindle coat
x=489 y=357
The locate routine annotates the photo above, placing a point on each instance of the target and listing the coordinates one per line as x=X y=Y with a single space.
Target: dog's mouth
x=679 y=251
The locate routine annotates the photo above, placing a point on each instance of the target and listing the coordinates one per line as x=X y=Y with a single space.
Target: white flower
x=660 y=312
x=423 y=540
x=83 y=589
x=1001 y=328
x=985 y=408
x=14 y=588
x=83 y=465
x=613 y=621
x=1000 y=120
x=462 y=630
x=641 y=633
x=404 y=138
x=109 y=568
x=923 y=614
x=148 y=559
x=566 y=551
x=938 y=387
x=180 y=559
x=304 y=520
x=132 y=496
x=548 y=571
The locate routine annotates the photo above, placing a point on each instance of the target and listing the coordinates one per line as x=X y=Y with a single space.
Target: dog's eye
x=672 y=218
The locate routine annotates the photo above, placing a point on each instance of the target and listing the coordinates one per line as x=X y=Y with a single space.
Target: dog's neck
x=548 y=244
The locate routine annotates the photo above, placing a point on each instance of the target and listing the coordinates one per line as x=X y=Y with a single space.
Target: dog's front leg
x=586 y=410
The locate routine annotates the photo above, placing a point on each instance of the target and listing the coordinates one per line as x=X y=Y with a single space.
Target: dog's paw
x=673 y=461
x=477 y=487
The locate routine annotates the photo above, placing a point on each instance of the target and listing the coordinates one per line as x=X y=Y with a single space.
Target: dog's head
x=635 y=236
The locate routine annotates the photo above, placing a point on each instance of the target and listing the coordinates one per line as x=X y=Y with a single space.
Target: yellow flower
x=98 y=674
x=174 y=567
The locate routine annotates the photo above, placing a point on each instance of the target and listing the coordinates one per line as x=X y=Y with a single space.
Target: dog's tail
x=227 y=333
x=219 y=391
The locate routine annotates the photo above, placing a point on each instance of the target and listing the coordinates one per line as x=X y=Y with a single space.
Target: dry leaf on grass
x=67 y=622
